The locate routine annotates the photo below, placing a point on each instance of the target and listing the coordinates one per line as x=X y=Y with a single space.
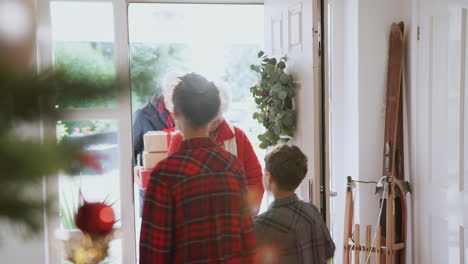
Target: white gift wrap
x=156 y=141
x=151 y=159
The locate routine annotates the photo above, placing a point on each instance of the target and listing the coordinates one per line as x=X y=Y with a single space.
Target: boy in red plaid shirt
x=195 y=208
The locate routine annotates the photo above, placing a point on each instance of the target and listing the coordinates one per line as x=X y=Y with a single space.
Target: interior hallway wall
x=14 y=248
x=359 y=54
x=17 y=246
x=375 y=18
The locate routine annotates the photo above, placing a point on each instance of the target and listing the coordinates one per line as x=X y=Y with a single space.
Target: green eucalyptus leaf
x=261 y=137
x=273 y=111
x=275 y=76
x=273 y=96
x=272 y=117
x=281 y=65
x=277 y=129
x=287 y=121
x=277 y=88
x=269 y=68
x=284 y=78
x=282 y=95
x=288 y=118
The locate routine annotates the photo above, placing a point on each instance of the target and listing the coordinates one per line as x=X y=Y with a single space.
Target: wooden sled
x=389 y=251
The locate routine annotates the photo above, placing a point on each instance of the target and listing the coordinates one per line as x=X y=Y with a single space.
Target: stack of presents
x=156 y=145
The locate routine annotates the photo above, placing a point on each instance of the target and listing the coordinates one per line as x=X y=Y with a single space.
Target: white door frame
x=303 y=63
x=121 y=113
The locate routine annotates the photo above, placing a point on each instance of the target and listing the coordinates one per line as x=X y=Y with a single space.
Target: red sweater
x=245 y=154
x=194 y=211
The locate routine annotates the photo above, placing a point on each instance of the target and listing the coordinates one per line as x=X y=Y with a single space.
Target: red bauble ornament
x=95 y=218
x=91 y=160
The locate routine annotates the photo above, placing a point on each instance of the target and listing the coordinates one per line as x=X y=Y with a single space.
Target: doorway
x=209 y=39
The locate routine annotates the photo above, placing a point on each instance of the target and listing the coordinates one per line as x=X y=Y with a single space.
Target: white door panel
x=439 y=132
x=289 y=25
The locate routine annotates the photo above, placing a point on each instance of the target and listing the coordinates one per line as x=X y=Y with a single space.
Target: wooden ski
x=393 y=158
x=393 y=112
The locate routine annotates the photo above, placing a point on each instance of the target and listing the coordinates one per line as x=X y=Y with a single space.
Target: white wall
x=375 y=18
x=15 y=248
x=359 y=39
x=16 y=245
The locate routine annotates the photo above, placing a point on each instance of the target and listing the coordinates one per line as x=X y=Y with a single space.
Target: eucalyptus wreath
x=273 y=95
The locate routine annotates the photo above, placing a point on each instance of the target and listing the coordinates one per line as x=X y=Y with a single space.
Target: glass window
x=96 y=183
x=83 y=42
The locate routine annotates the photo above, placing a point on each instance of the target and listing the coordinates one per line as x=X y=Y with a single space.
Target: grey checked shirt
x=294 y=232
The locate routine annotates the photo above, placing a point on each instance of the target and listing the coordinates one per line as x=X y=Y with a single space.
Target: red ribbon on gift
x=144 y=176
x=169 y=132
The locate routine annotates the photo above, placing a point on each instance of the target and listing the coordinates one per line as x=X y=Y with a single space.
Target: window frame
x=122 y=113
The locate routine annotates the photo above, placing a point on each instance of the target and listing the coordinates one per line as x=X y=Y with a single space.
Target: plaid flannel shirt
x=292 y=232
x=195 y=209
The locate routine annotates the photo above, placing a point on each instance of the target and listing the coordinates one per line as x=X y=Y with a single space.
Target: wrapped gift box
x=151 y=159
x=144 y=176
x=157 y=141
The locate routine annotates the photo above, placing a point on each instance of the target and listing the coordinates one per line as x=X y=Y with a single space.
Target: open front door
x=291 y=30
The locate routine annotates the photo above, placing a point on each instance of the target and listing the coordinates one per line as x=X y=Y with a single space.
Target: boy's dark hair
x=287 y=165
x=197 y=99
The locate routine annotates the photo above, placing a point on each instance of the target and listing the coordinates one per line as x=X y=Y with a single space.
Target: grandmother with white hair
x=232 y=139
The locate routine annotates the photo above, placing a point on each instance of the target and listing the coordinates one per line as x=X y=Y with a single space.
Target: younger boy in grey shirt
x=291 y=231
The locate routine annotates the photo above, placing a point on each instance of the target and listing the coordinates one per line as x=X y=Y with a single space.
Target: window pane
x=97 y=183
x=83 y=42
x=149 y=62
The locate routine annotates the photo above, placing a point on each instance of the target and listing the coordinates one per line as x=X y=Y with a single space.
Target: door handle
x=333 y=193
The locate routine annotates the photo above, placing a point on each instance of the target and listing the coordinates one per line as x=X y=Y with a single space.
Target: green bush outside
x=148 y=65
x=90 y=59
